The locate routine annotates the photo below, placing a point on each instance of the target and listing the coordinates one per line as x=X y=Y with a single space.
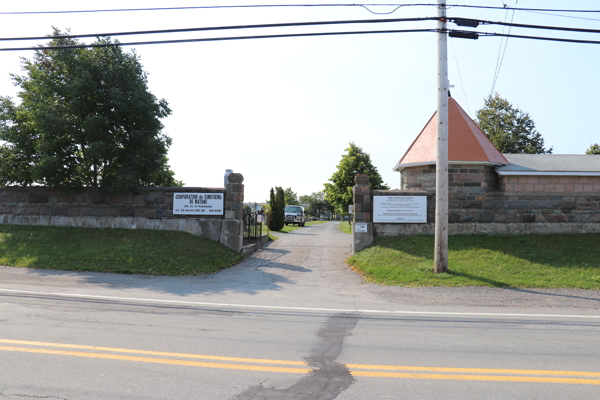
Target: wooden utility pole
x=441 y=161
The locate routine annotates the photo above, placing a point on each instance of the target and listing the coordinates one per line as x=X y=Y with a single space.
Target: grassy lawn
x=123 y=251
x=524 y=261
x=291 y=228
x=345 y=227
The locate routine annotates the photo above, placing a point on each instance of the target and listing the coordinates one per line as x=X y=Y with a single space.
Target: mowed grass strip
x=345 y=227
x=507 y=261
x=124 y=251
x=291 y=227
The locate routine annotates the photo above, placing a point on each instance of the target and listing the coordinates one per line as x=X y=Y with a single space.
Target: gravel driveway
x=313 y=259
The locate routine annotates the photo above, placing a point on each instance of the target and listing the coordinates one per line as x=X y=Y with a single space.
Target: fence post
x=362 y=214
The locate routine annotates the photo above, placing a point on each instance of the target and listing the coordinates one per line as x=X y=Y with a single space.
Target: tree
x=277 y=204
x=291 y=198
x=304 y=199
x=594 y=149
x=510 y=129
x=339 y=192
x=317 y=203
x=85 y=119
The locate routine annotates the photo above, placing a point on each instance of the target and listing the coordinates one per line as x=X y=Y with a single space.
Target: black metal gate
x=255 y=226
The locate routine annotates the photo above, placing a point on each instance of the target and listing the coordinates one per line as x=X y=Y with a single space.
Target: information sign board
x=360 y=227
x=198 y=203
x=400 y=209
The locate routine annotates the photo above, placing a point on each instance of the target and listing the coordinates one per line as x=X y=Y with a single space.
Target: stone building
x=532 y=192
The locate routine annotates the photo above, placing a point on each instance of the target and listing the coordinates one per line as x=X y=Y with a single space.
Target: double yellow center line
x=111 y=353
x=301 y=367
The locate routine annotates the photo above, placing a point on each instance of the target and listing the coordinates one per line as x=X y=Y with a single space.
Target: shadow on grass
x=572 y=260
x=555 y=251
x=123 y=259
x=487 y=281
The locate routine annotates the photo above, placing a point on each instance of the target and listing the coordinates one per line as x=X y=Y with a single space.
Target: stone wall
x=515 y=207
x=483 y=210
x=462 y=178
x=550 y=184
x=142 y=208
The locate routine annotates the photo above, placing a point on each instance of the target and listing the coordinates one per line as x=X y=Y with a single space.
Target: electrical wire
x=522 y=8
x=529 y=26
x=218 y=7
x=380 y=13
x=462 y=85
x=296 y=24
x=500 y=50
x=365 y=6
x=563 y=16
x=499 y=67
x=214 y=39
x=481 y=34
x=215 y=28
x=551 y=39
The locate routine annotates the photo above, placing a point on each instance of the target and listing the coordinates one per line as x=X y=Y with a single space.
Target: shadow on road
x=252 y=276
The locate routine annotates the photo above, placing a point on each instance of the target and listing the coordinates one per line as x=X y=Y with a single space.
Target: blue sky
x=282 y=111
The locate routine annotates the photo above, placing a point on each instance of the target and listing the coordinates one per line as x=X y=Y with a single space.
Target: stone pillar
x=362 y=213
x=234 y=199
x=232 y=233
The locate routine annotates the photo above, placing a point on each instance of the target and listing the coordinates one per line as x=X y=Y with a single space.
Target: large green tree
x=339 y=192
x=317 y=203
x=304 y=199
x=510 y=129
x=593 y=149
x=85 y=119
x=291 y=198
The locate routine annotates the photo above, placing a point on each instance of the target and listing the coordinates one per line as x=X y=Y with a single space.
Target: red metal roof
x=466 y=142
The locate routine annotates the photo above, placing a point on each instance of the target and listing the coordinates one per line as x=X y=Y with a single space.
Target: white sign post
x=198 y=203
x=400 y=209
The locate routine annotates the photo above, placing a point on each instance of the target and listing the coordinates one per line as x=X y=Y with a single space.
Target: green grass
x=345 y=227
x=291 y=228
x=123 y=251
x=519 y=261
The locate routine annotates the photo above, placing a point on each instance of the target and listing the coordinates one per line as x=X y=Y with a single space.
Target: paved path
x=282 y=325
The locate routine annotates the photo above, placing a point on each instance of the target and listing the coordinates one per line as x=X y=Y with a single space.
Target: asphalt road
x=290 y=322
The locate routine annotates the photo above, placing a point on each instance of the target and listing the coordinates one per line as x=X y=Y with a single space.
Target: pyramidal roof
x=466 y=142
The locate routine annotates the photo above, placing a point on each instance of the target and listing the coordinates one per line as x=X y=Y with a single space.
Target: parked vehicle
x=294 y=215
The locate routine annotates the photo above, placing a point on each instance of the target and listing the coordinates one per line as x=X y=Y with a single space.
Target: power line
x=528 y=26
x=499 y=52
x=524 y=9
x=499 y=66
x=215 y=7
x=365 y=5
x=215 y=28
x=457 y=20
x=552 y=39
x=459 y=75
x=457 y=33
x=213 y=39
x=563 y=16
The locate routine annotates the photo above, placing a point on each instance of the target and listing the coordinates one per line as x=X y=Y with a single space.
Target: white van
x=294 y=215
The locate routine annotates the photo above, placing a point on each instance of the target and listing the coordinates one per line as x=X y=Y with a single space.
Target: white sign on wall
x=360 y=227
x=198 y=203
x=400 y=209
